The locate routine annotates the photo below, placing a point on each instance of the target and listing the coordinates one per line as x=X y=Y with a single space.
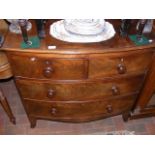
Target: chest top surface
x=116 y=44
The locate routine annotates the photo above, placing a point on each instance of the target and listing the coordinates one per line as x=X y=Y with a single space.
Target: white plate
x=58 y=31
x=84 y=26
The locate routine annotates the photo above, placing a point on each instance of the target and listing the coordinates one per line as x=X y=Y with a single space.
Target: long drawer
x=119 y=63
x=81 y=67
x=78 y=111
x=76 y=91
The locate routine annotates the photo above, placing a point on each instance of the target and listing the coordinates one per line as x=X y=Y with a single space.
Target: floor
x=144 y=126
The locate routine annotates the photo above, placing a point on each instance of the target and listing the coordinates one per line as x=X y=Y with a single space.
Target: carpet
x=121 y=132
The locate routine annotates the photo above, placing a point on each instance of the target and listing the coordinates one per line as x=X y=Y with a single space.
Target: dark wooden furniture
x=78 y=82
x=5 y=73
x=6 y=107
x=143 y=108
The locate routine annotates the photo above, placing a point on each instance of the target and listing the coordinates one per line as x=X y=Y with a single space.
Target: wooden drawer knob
x=109 y=108
x=47 y=72
x=50 y=93
x=121 y=68
x=115 y=90
x=47 y=62
x=53 y=111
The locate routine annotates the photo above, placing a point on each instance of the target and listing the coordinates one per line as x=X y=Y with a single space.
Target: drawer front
x=47 y=67
x=78 y=90
x=118 y=64
x=78 y=111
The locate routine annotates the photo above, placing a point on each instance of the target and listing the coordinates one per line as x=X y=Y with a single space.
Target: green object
x=35 y=43
x=144 y=40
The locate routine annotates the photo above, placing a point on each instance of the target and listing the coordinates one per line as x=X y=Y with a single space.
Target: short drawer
x=78 y=111
x=48 y=67
x=76 y=91
x=108 y=65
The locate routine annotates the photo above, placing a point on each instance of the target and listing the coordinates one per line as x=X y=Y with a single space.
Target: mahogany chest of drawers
x=78 y=82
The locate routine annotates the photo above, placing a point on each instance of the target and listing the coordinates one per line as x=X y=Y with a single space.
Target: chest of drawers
x=78 y=82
